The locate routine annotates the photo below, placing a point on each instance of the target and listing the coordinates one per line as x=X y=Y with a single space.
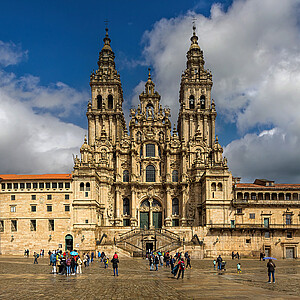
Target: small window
x=150 y=174
x=126 y=222
x=51 y=225
x=175 y=222
x=28 y=185
x=288 y=219
x=49 y=208
x=54 y=185
x=16 y=186
x=110 y=102
x=86 y=221
x=141 y=151
x=47 y=185
x=67 y=207
x=22 y=185
x=86 y=194
x=150 y=150
x=99 y=102
x=9 y=186
x=248 y=241
x=289 y=235
x=220 y=187
x=3 y=186
x=67 y=196
x=192 y=102
x=126 y=207
x=67 y=185
x=13 y=197
x=213 y=187
x=14 y=225
x=126 y=176
x=175 y=176
x=175 y=207
x=41 y=185
x=239 y=210
x=49 y=197
x=202 y=102
x=1 y=225
x=253 y=196
x=81 y=186
x=35 y=185
x=252 y=216
x=267 y=234
x=33 y=208
x=33 y=225
x=13 y=208
x=88 y=186
x=33 y=197
x=60 y=185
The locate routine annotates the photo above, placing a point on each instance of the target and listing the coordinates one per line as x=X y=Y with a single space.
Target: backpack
x=182 y=265
x=37 y=256
x=68 y=262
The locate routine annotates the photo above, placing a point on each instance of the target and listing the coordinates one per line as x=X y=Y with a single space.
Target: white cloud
x=11 y=54
x=253 y=50
x=33 y=137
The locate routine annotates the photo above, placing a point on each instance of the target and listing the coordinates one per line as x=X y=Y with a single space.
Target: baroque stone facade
x=153 y=187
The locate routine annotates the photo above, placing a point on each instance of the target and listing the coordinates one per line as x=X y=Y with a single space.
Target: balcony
x=262 y=202
x=254 y=226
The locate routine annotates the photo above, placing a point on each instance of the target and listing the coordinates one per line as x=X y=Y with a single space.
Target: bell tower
x=105 y=112
x=197 y=112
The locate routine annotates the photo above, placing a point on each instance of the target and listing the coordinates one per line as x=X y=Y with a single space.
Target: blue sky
x=49 y=48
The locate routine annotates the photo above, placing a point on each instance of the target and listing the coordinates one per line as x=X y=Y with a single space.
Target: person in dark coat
x=115 y=262
x=271 y=270
x=219 y=261
x=156 y=262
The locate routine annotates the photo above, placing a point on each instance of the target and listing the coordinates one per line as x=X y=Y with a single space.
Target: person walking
x=172 y=261
x=53 y=262
x=151 y=263
x=36 y=256
x=214 y=262
x=238 y=268
x=188 y=261
x=115 y=262
x=271 y=270
x=181 y=266
x=219 y=261
x=156 y=262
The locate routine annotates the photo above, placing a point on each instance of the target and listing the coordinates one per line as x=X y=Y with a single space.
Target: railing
x=266 y=202
x=254 y=226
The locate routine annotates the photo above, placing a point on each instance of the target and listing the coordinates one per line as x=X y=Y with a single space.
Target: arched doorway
x=69 y=242
x=150 y=214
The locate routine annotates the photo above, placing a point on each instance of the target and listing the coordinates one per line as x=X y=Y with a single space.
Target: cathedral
x=152 y=188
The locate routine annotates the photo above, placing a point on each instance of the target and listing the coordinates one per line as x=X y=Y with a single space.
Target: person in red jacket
x=181 y=266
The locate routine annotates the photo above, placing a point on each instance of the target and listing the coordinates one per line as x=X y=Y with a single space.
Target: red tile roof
x=10 y=177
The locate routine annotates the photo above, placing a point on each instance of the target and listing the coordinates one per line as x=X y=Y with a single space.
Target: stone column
x=91 y=129
x=133 y=219
x=168 y=220
x=150 y=214
x=184 y=200
x=117 y=219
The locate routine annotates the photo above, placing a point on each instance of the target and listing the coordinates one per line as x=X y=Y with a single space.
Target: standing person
x=36 y=256
x=99 y=254
x=115 y=262
x=238 y=267
x=92 y=257
x=181 y=266
x=188 y=261
x=68 y=264
x=219 y=261
x=271 y=270
x=214 y=262
x=161 y=259
x=73 y=266
x=237 y=255
x=105 y=262
x=172 y=261
x=79 y=264
x=156 y=262
x=151 y=262
x=232 y=255
x=53 y=262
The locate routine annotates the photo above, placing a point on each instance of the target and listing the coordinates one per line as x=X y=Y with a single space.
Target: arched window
x=110 y=102
x=202 y=102
x=126 y=176
x=159 y=151
x=175 y=176
x=213 y=187
x=81 y=186
x=126 y=207
x=150 y=150
x=141 y=151
x=88 y=186
x=150 y=174
x=99 y=102
x=220 y=187
x=175 y=207
x=192 y=102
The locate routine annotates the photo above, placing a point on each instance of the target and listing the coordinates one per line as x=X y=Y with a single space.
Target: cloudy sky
x=48 y=49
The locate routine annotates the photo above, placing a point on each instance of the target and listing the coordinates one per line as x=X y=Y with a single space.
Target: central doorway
x=144 y=220
x=150 y=214
x=149 y=247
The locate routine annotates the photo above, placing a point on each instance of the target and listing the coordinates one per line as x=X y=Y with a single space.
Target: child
x=214 y=262
x=238 y=266
x=106 y=262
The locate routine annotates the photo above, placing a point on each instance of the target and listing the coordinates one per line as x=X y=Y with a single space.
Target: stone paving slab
x=20 y=279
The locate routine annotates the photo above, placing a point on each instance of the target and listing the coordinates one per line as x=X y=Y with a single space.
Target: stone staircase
x=137 y=240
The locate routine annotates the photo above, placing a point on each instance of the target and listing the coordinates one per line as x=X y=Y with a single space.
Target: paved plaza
x=20 y=279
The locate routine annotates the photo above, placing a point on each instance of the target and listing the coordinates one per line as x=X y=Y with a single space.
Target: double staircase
x=137 y=241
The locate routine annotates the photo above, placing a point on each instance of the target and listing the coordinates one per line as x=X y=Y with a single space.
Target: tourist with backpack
x=115 y=262
x=68 y=264
x=36 y=256
x=181 y=267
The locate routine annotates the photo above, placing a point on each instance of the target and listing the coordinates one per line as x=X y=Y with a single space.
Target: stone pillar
x=184 y=200
x=168 y=171
x=117 y=219
x=168 y=220
x=213 y=128
x=133 y=219
x=91 y=130
x=98 y=129
x=150 y=215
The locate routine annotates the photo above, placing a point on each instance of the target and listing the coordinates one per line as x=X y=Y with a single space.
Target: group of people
x=235 y=255
x=161 y=258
